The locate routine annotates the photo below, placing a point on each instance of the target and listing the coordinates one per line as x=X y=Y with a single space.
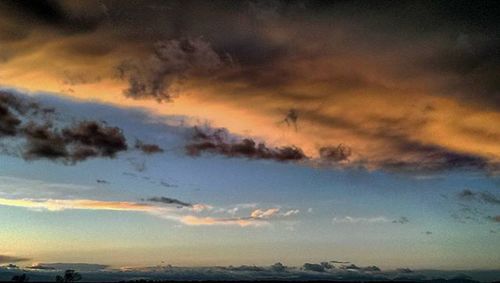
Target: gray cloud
x=313 y=267
x=167 y=200
x=100 y=273
x=401 y=220
x=278 y=267
x=27 y=121
x=14 y=110
x=8 y=120
x=83 y=267
x=484 y=197
x=218 y=142
x=75 y=143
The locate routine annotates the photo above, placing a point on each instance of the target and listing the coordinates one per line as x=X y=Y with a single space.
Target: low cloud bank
x=277 y=271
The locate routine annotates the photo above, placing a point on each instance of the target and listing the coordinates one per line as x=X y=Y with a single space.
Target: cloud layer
x=277 y=271
x=356 y=87
x=61 y=197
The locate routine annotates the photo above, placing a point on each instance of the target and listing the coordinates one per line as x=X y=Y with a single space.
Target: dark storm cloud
x=289 y=54
x=219 y=142
x=25 y=120
x=10 y=259
x=463 y=51
x=167 y=200
x=148 y=148
x=473 y=61
x=64 y=17
x=171 y=62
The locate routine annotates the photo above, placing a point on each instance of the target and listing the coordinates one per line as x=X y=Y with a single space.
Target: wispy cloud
x=401 y=220
x=185 y=214
x=484 y=197
x=85 y=204
x=360 y=220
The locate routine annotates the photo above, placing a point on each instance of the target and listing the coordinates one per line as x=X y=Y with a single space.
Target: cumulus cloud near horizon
x=308 y=271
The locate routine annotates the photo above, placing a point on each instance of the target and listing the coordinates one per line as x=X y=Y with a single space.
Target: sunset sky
x=218 y=133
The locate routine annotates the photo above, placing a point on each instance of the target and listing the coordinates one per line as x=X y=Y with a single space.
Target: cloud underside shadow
x=347 y=87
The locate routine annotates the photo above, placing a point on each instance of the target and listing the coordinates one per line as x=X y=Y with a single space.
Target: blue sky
x=345 y=213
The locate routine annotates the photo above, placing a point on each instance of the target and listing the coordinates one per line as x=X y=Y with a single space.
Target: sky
x=183 y=138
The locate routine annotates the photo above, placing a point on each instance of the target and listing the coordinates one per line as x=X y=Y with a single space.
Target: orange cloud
x=257 y=218
x=383 y=100
x=85 y=204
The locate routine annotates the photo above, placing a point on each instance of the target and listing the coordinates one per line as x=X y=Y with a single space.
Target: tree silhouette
x=69 y=276
x=20 y=278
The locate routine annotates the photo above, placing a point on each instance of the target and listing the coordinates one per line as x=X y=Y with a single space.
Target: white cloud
x=355 y=220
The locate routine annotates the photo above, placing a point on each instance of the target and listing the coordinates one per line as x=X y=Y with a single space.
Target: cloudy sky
x=221 y=133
